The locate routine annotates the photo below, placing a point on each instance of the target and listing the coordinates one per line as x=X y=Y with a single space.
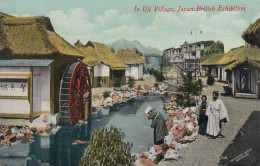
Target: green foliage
x=157 y=74
x=215 y=48
x=189 y=87
x=131 y=82
x=151 y=71
x=106 y=94
x=200 y=83
x=117 y=82
x=210 y=80
x=106 y=148
x=156 y=85
x=165 y=61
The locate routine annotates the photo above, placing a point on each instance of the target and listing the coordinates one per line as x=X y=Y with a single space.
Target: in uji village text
x=149 y=9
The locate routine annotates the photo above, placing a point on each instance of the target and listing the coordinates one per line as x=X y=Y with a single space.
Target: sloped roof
x=34 y=38
x=129 y=56
x=242 y=53
x=242 y=64
x=247 y=54
x=213 y=60
x=101 y=53
x=252 y=33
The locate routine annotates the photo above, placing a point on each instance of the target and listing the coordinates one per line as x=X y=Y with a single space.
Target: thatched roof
x=213 y=60
x=243 y=53
x=243 y=64
x=129 y=56
x=99 y=53
x=78 y=44
x=91 y=55
x=5 y=15
x=34 y=37
x=252 y=33
x=247 y=54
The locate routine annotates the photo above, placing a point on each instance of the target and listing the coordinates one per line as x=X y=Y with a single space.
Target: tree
x=131 y=82
x=156 y=85
x=107 y=148
x=215 y=48
x=210 y=80
x=189 y=87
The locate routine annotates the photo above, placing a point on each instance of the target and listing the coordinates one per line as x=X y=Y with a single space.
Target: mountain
x=123 y=44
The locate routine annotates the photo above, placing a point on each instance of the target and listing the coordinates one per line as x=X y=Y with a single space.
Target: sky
x=106 y=21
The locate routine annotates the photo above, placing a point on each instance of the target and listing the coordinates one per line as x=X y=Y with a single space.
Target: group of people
x=210 y=118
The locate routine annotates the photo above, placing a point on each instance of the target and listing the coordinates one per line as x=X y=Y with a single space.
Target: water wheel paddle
x=75 y=93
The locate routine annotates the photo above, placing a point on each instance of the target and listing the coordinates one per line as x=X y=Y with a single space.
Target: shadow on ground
x=245 y=148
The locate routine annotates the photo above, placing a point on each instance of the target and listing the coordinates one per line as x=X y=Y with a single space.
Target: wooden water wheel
x=75 y=94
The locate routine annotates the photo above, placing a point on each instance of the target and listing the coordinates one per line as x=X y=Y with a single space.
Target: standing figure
x=203 y=119
x=158 y=123
x=217 y=113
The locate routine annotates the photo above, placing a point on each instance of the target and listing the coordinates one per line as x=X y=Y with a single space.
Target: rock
x=1 y=136
x=14 y=130
x=6 y=131
x=12 y=137
x=45 y=118
x=152 y=154
x=169 y=138
x=158 y=149
x=5 y=142
x=171 y=155
x=147 y=162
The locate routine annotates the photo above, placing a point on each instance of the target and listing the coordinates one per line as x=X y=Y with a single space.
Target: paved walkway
x=242 y=133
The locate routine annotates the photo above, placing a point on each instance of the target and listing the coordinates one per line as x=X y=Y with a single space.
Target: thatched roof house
x=252 y=33
x=33 y=37
x=240 y=54
x=129 y=56
x=99 y=53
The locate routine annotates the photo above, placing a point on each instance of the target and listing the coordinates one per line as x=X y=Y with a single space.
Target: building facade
x=188 y=56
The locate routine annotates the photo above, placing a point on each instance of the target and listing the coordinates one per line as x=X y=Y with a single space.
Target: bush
x=131 y=82
x=210 y=80
x=159 y=76
x=117 y=82
x=107 y=148
x=200 y=83
x=156 y=85
x=106 y=94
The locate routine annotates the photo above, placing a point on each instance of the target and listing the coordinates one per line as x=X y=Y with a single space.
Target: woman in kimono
x=217 y=113
x=203 y=119
x=158 y=123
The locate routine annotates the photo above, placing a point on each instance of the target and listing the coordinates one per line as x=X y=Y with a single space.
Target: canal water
x=57 y=149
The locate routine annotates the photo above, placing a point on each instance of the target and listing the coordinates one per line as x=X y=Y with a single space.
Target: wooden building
x=215 y=67
x=134 y=60
x=107 y=70
x=33 y=60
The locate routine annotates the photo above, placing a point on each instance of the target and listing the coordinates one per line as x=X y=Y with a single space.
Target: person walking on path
x=217 y=113
x=158 y=123
x=202 y=118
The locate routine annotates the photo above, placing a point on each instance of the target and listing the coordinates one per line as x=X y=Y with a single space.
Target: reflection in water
x=130 y=118
x=57 y=149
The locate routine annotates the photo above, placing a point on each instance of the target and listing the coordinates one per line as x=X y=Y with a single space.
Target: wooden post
x=31 y=94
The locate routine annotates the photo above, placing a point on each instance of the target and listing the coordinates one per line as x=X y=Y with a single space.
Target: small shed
x=134 y=60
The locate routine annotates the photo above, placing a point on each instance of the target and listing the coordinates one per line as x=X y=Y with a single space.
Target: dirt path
x=241 y=145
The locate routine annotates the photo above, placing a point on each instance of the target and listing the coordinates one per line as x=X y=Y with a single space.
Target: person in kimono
x=217 y=113
x=202 y=118
x=158 y=123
